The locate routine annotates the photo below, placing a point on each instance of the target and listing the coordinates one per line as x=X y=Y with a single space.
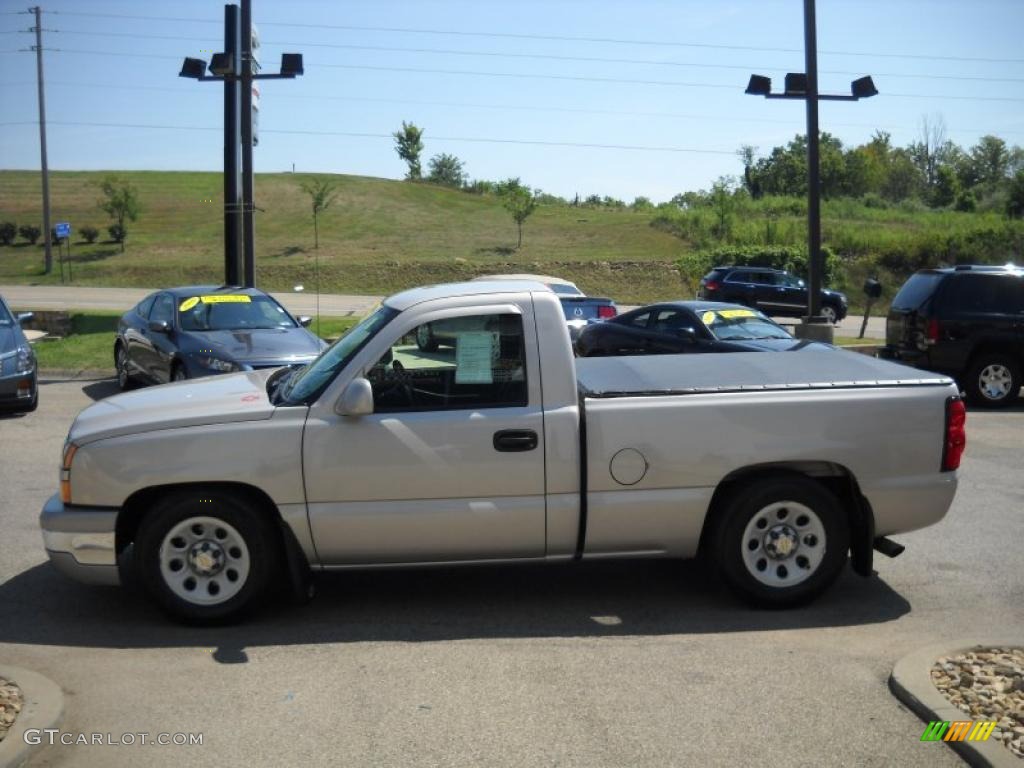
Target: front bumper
x=17 y=389
x=80 y=541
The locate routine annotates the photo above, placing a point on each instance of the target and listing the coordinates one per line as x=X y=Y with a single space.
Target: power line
x=553 y=38
x=541 y=56
x=390 y=137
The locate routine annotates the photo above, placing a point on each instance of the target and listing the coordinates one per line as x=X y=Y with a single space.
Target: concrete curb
x=911 y=683
x=44 y=707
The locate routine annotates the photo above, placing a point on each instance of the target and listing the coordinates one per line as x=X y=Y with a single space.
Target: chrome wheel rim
x=122 y=367
x=994 y=381
x=204 y=561
x=829 y=314
x=783 y=544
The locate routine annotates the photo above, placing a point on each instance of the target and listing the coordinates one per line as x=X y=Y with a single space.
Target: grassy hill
x=379 y=236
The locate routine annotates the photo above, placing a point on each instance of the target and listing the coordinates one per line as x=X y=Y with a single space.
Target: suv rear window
x=916 y=290
x=984 y=293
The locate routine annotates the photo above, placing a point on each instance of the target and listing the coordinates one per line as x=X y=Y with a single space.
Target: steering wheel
x=403 y=382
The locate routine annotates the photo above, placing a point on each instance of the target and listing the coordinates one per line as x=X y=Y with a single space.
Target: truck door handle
x=509 y=440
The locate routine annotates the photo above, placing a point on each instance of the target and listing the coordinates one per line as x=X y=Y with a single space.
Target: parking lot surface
x=595 y=664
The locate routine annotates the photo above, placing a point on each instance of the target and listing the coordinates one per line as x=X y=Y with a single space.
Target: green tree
x=120 y=201
x=723 y=203
x=321 y=194
x=990 y=159
x=409 y=146
x=520 y=202
x=89 y=234
x=946 y=187
x=446 y=170
x=1015 y=199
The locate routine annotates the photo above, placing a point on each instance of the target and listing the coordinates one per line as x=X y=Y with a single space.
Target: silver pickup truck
x=501 y=447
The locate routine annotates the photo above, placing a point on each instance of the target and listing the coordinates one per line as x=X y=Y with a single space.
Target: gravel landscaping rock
x=11 y=702
x=987 y=684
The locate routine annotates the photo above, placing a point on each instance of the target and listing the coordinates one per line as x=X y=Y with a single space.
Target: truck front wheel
x=781 y=542
x=205 y=557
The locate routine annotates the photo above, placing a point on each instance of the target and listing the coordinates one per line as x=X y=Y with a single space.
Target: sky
x=486 y=78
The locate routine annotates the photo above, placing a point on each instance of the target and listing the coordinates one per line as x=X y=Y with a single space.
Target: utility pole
x=248 y=205
x=42 y=141
x=232 y=201
x=814 y=263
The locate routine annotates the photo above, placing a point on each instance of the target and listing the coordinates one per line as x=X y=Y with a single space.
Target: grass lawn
x=91 y=343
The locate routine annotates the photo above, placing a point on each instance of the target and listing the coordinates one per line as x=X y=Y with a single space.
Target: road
x=593 y=664
x=77 y=297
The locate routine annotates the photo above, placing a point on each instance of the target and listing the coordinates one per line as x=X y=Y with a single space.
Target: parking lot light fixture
x=863 y=88
x=193 y=68
x=759 y=85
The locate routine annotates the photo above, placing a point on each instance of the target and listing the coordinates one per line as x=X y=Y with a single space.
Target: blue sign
x=63 y=229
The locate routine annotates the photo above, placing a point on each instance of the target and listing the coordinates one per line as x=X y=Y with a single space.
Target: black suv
x=772 y=291
x=966 y=322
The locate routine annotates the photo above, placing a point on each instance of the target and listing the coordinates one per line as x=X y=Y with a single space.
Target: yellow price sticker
x=187 y=304
x=707 y=318
x=728 y=314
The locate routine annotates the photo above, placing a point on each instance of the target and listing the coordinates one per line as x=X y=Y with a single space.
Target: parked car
x=506 y=449
x=19 y=389
x=580 y=310
x=201 y=330
x=773 y=291
x=681 y=327
x=966 y=322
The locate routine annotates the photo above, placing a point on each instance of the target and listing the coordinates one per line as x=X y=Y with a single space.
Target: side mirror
x=304 y=320
x=24 y=317
x=159 y=326
x=356 y=400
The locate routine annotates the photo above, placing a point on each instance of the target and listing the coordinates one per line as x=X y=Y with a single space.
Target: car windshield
x=916 y=290
x=223 y=312
x=741 y=324
x=307 y=383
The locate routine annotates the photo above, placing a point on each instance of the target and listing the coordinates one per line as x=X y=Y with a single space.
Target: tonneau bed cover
x=812 y=367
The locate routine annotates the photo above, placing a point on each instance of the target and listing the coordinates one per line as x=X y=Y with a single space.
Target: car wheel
x=206 y=557
x=829 y=313
x=178 y=372
x=993 y=381
x=425 y=339
x=780 y=542
x=124 y=379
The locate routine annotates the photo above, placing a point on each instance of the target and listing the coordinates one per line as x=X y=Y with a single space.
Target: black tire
x=425 y=339
x=262 y=546
x=745 y=506
x=831 y=313
x=983 y=375
x=178 y=372
x=125 y=381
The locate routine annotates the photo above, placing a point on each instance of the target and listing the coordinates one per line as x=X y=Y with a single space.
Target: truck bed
x=812 y=367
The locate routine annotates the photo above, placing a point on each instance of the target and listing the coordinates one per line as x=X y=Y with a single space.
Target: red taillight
x=711 y=285
x=933 y=331
x=604 y=312
x=956 y=434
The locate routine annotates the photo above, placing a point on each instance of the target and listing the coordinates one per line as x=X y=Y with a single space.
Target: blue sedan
x=201 y=330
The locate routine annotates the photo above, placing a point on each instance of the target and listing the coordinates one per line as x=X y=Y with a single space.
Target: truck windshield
x=307 y=383
x=916 y=290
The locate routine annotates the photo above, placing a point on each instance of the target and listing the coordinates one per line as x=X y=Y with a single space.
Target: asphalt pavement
x=304 y=303
x=593 y=664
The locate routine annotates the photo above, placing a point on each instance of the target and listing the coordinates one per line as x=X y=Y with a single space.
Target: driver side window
x=460 y=363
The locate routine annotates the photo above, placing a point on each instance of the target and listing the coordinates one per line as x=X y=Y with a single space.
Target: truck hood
x=211 y=400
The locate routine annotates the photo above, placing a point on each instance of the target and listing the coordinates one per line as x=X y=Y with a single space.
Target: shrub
x=30 y=232
x=89 y=234
x=8 y=233
x=117 y=232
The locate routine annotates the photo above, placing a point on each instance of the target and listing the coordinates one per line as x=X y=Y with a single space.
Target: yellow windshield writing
x=187 y=304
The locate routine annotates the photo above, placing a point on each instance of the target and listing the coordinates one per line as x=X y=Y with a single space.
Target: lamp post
x=805 y=86
x=234 y=68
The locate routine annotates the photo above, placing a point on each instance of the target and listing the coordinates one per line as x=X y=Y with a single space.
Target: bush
x=89 y=234
x=117 y=233
x=30 y=232
x=871 y=200
x=8 y=233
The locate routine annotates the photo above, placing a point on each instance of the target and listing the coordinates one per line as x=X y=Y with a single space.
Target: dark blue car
x=686 y=327
x=201 y=330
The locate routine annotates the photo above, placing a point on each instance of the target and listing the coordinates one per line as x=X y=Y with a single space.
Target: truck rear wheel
x=781 y=542
x=205 y=557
